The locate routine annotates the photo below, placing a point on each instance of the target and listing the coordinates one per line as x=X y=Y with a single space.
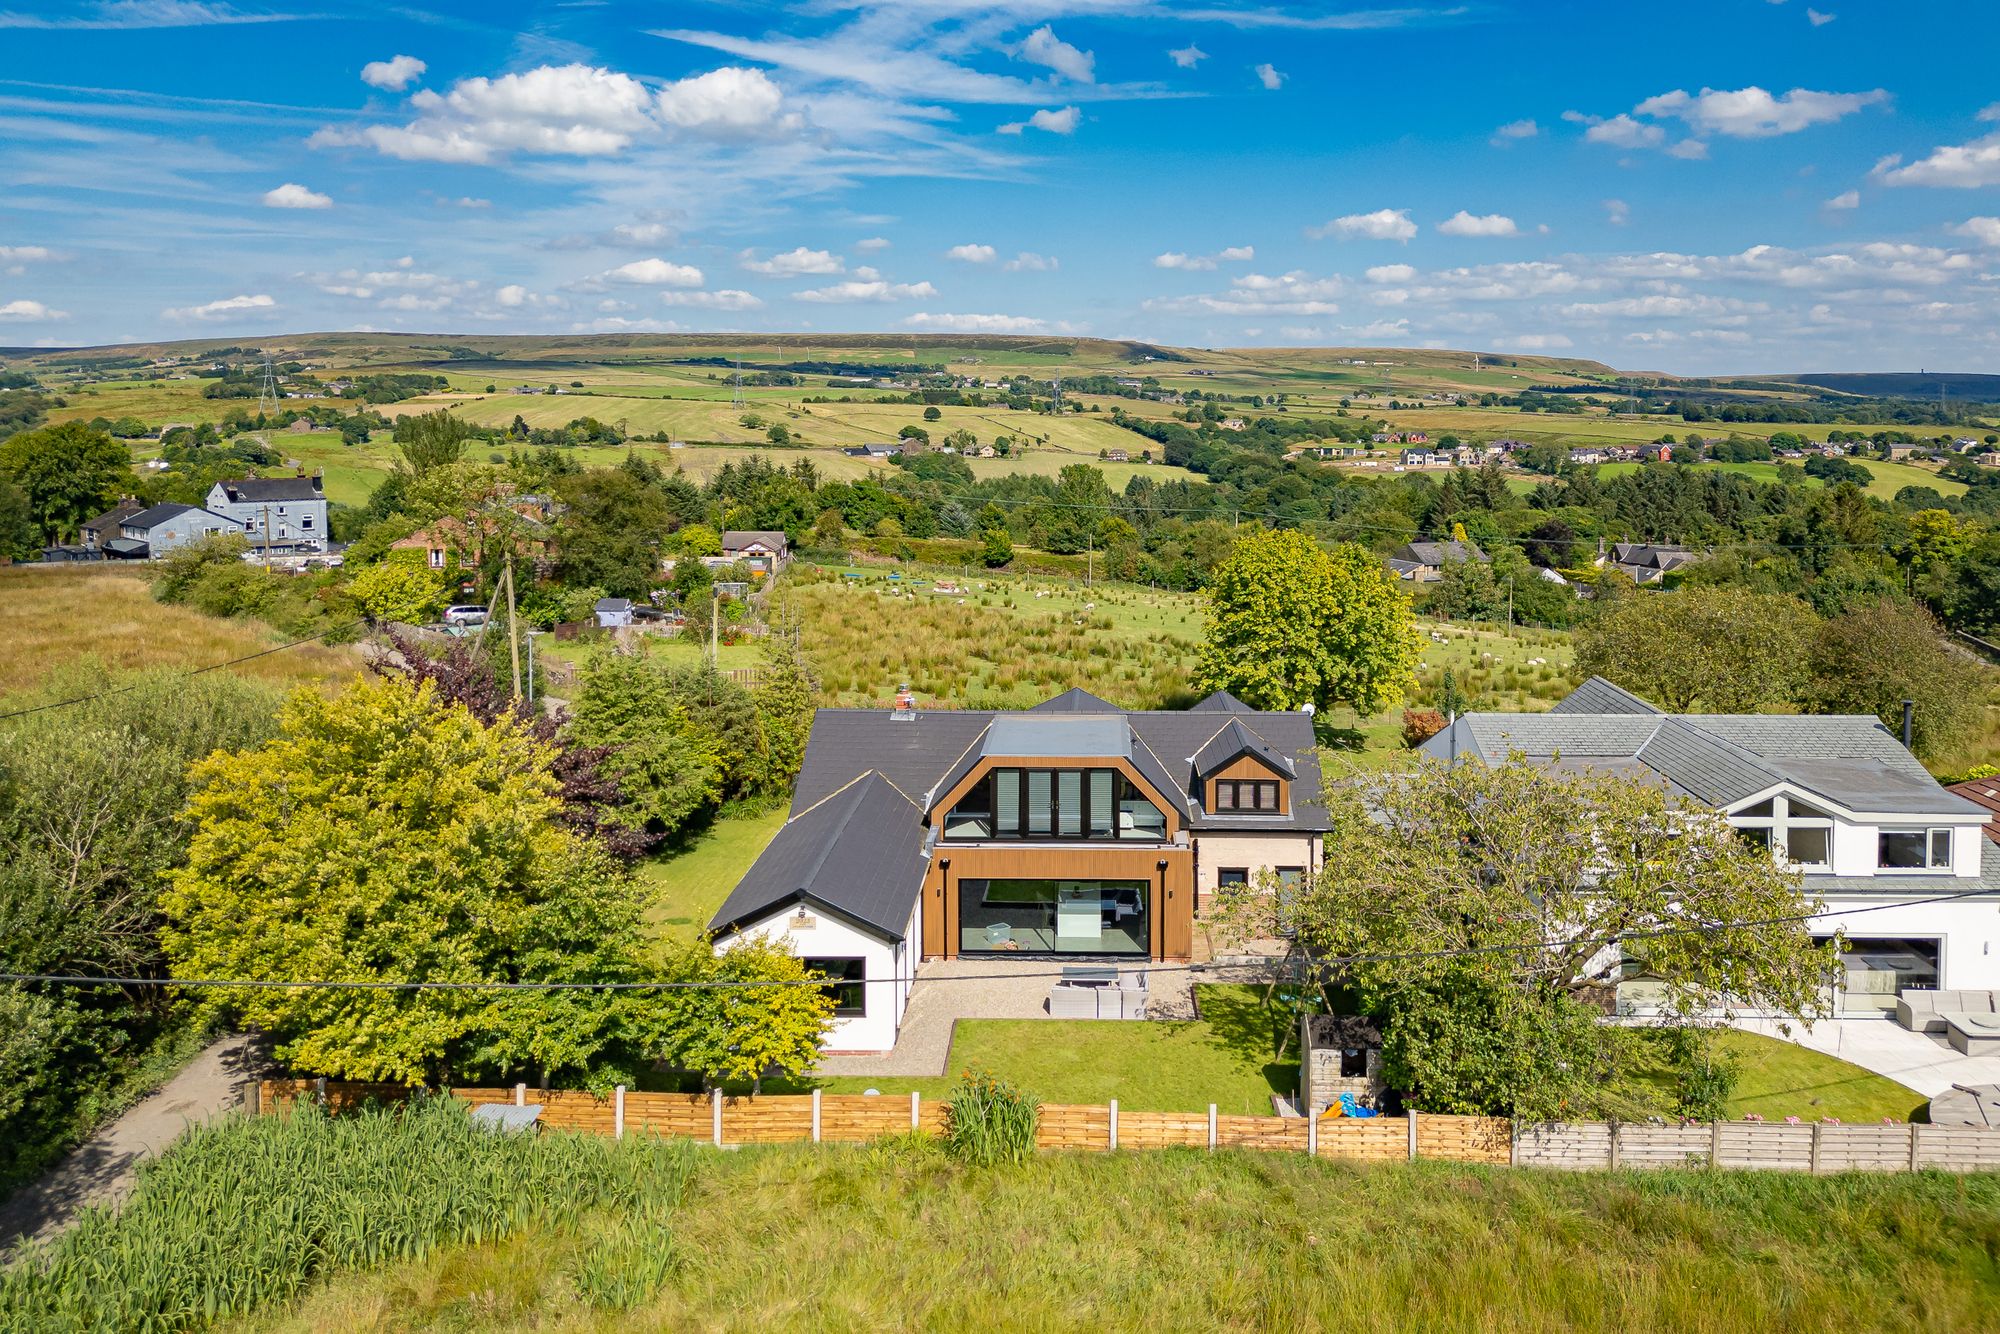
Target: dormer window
x=1913 y=850
x=1246 y=794
x=1055 y=804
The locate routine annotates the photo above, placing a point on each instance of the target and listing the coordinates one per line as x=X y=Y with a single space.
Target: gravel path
x=102 y=1169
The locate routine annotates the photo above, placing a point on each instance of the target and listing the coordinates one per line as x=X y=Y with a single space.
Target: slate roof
x=1076 y=700
x=1650 y=555
x=1220 y=701
x=736 y=541
x=156 y=515
x=852 y=853
x=1437 y=553
x=1232 y=740
x=259 y=489
x=1717 y=759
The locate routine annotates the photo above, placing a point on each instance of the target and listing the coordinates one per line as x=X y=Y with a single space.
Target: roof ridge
x=1186 y=803
x=930 y=793
x=839 y=826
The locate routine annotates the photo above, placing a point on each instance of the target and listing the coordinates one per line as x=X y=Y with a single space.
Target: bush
x=1420 y=725
x=397 y=591
x=990 y=1121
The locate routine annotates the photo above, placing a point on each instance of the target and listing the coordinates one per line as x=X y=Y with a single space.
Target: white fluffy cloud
x=950 y=323
x=1294 y=293
x=1384 y=224
x=1462 y=223
x=227 y=306
x=394 y=74
x=872 y=243
x=656 y=273
x=1534 y=342
x=1187 y=57
x=1390 y=273
x=1819 y=19
x=1847 y=199
x=293 y=195
x=972 y=253
x=1617 y=212
x=25 y=311
x=1030 y=262
x=1956 y=166
x=872 y=290
x=1753 y=113
x=513 y=294
x=1043 y=47
x=1062 y=120
x=1174 y=259
x=796 y=263
x=727 y=298
x=1269 y=77
x=571 y=111
x=1620 y=131
x=1514 y=131
x=25 y=254
x=1981 y=231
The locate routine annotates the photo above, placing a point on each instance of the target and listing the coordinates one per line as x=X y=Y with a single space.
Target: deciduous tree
x=69 y=473
x=1727 y=649
x=1871 y=659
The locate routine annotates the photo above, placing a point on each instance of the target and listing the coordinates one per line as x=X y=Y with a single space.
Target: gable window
x=1246 y=794
x=850 y=995
x=1913 y=850
x=1055 y=804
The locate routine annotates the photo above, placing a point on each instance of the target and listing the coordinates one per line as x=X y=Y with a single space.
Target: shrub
x=1420 y=725
x=990 y=1121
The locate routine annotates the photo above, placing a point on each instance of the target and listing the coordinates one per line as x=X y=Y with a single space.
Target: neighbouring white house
x=1899 y=863
x=1074 y=830
x=274 y=511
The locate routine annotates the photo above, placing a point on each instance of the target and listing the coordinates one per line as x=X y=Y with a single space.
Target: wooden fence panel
x=278 y=1095
x=1162 y=1130
x=857 y=1117
x=1958 y=1148
x=1582 y=1146
x=1066 y=1127
x=486 y=1097
x=1261 y=1132
x=1373 y=1139
x=1665 y=1146
x=1765 y=1146
x=576 y=1110
x=675 y=1115
x=1864 y=1148
x=769 y=1120
x=1464 y=1139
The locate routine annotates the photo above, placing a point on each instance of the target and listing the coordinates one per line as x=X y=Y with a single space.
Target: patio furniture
x=1089 y=975
x=1068 y=1000
x=1132 y=994
x=1967 y=1105
x=1932 y=1011
x=1974 y=1034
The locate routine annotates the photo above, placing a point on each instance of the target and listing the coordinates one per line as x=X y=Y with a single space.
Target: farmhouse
x=1899 y=863
x=1074 y=829
x=1424 y=562
x=274 y=511
x=764 y=551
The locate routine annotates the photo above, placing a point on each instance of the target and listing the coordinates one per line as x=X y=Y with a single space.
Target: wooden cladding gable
x=1246 y=768
x=1171 y=805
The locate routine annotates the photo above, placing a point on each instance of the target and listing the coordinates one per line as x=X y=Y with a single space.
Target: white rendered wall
x=830 y=937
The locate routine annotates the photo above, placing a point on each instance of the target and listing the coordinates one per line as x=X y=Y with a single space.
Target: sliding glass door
x=1000 y=917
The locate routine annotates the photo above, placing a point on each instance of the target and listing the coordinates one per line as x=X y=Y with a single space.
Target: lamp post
x=531 y=664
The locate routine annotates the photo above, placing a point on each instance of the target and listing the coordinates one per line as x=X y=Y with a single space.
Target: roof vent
x=906 y=705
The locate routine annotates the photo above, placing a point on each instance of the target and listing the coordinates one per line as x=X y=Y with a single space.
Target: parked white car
x=470 y=614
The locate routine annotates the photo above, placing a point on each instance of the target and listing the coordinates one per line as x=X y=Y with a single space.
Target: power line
x=1453 y=952
x=212 y=667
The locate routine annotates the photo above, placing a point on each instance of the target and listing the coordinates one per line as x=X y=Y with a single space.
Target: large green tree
x=383 y=837
x=1522 y=893
x=69 y=473
x=1290 y=624
x=666 y=765
x=612 y=532
x=1727 y=650
x=432 y=440
x=1871 y=659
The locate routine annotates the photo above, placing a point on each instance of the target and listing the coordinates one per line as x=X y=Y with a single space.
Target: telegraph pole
x=513 y=631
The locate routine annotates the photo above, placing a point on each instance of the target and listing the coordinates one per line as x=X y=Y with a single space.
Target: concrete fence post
x=618 y=1112
x=1614 y=1146
x=520 y=1095
x=1312 y=1135
x=1812 y=1167
x=1715 y=1146
x=1211 y=1127
x=916 y=1112
x=1413 y=1134
x=815 y=1116
x=1114 y=1123
x=1914 y=1128
x=715 y=1115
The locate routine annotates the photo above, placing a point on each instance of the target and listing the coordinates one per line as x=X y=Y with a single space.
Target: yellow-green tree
x=397 y=590
x=384 y=837
x=1291 y=623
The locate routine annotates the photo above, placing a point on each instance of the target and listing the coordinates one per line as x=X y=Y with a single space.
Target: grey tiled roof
x=1075 y=700
x=270 y=488
x=1598 y=695
x=853 y=853
x=1235 y=739
x=1851 y=760
x=1907 y=887
x=1437 y=553
x=1220 y=702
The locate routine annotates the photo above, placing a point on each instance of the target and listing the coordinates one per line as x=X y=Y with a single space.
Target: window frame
x=1230 y=792
x=839 y=981
x=1052 y=819
x=1931 y=836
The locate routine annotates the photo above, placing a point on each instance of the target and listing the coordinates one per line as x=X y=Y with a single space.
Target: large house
x=160 y=529
x=763 y=551
x=1074 y=829
x=273 y=511
x=1899 y=863
x=1646 y=562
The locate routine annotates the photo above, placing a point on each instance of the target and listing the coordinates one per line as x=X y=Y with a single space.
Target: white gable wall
x=822 y=935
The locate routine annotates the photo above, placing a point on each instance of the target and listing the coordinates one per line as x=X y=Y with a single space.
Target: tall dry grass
x=56 y=624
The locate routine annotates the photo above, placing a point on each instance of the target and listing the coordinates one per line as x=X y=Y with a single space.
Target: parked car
x=467 y=614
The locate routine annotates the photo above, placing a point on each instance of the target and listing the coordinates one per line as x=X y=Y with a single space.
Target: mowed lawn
x=57 y=623
x=1777 y=1079
x=690 y=885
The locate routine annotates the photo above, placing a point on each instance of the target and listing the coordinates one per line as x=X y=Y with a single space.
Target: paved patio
x=1924 y=1062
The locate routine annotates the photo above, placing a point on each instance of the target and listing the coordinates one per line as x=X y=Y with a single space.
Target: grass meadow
x=57 y=623
x=899 y=1236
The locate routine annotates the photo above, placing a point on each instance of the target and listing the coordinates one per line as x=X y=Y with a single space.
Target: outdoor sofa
x=1933 y=1011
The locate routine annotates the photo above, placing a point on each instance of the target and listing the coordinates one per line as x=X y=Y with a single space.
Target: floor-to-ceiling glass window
x=1053 y=916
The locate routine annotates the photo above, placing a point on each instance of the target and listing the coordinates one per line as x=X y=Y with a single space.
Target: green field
x=1889 y=477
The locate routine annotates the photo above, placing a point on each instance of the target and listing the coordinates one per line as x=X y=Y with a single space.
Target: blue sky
x=1713 y=185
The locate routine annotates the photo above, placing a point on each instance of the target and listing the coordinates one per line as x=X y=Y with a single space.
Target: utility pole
x=267 y=537
x=513 y=631
x=714 y=625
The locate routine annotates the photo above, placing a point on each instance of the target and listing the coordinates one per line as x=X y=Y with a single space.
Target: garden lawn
x=1777 y=1079
x=692 y=884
